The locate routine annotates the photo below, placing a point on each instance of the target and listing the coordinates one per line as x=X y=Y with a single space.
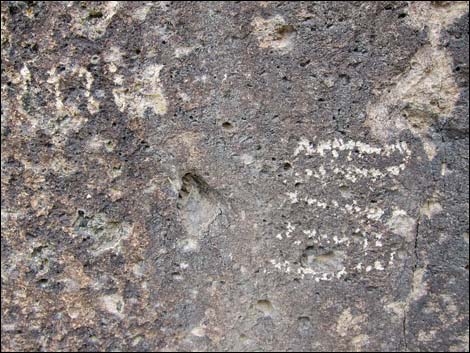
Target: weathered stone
x=234 y=176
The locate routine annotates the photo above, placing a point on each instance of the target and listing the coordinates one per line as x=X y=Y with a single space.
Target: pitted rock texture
x=234 y=176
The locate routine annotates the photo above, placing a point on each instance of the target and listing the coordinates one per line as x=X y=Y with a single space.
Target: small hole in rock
x=227 y=125
x=177 y=276
x=287 y=166
x=264 y=306
x=95 y=14
x=95 y=59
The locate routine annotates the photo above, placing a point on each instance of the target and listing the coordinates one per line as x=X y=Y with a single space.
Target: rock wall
x=234 y=176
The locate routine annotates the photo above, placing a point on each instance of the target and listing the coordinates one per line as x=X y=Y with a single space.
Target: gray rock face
x=234 y=176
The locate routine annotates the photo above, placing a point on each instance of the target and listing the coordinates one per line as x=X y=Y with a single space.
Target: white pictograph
x=341 y=166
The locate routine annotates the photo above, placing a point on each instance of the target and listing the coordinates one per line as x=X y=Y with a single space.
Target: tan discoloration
x=113 y=303
x=274 y=33
x=435 y=16
x=426 y=336
x=348 y=323
x=107 y=235
x=114 y=56
x=140 y=14
x=402 y=224
x=79 y=308
x=183 y=51
x=427 y=90
x=198 y=331
x=419 y=289
x=144 y=93
x=462 y=346
x=419 y=285
x=92 y=23
x=186 y=144
x=450 y=314
x=41 y=203
x=5 y=32
x=359 y=342
x=397 y=309
x=73 y=275
x=69 y=117
x=431 y=206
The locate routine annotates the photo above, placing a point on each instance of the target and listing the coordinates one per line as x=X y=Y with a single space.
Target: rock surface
x=234 y=176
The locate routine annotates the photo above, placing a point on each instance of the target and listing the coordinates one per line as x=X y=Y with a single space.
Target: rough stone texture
x=235 y=176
